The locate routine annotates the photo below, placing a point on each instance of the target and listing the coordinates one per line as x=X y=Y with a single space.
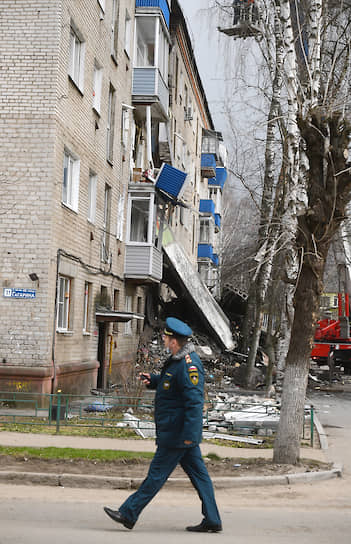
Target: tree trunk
x=287 y=443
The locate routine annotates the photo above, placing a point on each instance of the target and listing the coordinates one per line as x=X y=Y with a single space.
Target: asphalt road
x=305 y=513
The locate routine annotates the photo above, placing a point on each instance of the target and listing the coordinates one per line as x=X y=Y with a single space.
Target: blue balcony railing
x=215 y=259
x=204 y=251
x=207 y=206
x=162 y=4
x=220 y=178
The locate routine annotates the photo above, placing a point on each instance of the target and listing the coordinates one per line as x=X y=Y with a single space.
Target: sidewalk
x=99 y=482
x=62 y=441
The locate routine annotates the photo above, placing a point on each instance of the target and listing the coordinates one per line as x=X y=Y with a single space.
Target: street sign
x=10 y=292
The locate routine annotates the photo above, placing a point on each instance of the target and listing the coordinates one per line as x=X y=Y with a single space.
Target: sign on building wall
x=10 y=292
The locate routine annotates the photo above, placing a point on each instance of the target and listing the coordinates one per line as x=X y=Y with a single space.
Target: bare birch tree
x=315 y=121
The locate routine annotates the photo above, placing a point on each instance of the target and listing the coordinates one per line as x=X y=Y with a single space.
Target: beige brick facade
x=66 y=154
x=45 y=113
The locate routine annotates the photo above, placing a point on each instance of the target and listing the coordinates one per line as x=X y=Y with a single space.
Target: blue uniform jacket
x=179 y=399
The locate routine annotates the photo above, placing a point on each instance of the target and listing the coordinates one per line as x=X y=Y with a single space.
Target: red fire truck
x=332 y=337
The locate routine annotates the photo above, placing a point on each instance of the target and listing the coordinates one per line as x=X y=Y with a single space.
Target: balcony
x=220 y=178
x=143 y=258
x=208 y=165
x=149 y=88
x=217 y=222
x=143 y=263
x=204 y=251
x=207 y=207
x=171 y=181
x=161 y=4
x=215 y=259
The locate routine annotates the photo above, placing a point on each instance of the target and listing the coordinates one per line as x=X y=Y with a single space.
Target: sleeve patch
x=194 y=377
x=188 y=359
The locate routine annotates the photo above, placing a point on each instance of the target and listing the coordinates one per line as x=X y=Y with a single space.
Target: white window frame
x=92 y=189
x=147 y=197
x=63 y=303
x=76 y=60
x=70 y=183
x=125 y=127
x=206 y=231
x=120 y=218
x=86 y=306
x=97 y=87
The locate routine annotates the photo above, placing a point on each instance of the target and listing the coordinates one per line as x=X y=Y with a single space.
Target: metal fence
x=107 y=411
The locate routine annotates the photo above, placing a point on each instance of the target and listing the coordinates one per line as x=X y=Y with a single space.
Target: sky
x=229 y=72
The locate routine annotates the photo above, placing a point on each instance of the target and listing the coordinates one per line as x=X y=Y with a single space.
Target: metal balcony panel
x=217 y=220
x=171 y=180
x=204 y=251
x=149 y=87
x=208 y=165
x=215 y=259
x=143 y=263
x=220 y=179
x=207 y=206
x=190 y=282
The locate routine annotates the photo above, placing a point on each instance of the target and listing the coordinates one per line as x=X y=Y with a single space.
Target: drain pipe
x=54 y=323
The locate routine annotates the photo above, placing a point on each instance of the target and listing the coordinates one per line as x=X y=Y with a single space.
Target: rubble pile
x=241 y=413
x=223 y=369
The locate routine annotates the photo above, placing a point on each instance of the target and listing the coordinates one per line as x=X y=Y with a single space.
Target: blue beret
x=175 y=326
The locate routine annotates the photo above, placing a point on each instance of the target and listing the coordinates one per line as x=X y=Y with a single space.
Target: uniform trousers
x=162 y=465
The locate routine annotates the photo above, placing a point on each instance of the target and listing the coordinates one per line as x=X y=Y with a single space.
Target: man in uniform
x=178 y=416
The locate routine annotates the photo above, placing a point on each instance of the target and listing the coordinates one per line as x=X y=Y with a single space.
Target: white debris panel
x=240 y=411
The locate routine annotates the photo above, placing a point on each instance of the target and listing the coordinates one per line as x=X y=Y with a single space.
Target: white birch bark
x=314 y=49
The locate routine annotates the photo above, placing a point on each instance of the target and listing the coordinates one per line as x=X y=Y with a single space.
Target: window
x=76 y=65
x=128 y=308
x=86 y=307
x=145 y=42
x=204 y=231
x=125 y=127
x=105 y=247
x=70 y=185
x=141 y=218
x=111 y=123
x=120 y=218
x=163 y=53
x=127 y=34
x=114 y=28
x=92 y=197
x=63 y=303
x=97 y=83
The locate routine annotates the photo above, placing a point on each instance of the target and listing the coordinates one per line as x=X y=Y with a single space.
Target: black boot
x=205 y=527
x=117 y=516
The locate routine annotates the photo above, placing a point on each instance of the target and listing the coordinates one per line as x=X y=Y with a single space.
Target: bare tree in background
x=314 y=113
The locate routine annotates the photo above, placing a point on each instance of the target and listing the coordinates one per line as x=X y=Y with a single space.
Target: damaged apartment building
x=111 y=183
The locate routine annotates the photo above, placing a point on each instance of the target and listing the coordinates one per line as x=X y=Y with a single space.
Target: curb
x=109 y=482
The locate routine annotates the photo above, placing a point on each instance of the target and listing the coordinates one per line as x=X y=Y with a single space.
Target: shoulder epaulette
x=188 y=359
